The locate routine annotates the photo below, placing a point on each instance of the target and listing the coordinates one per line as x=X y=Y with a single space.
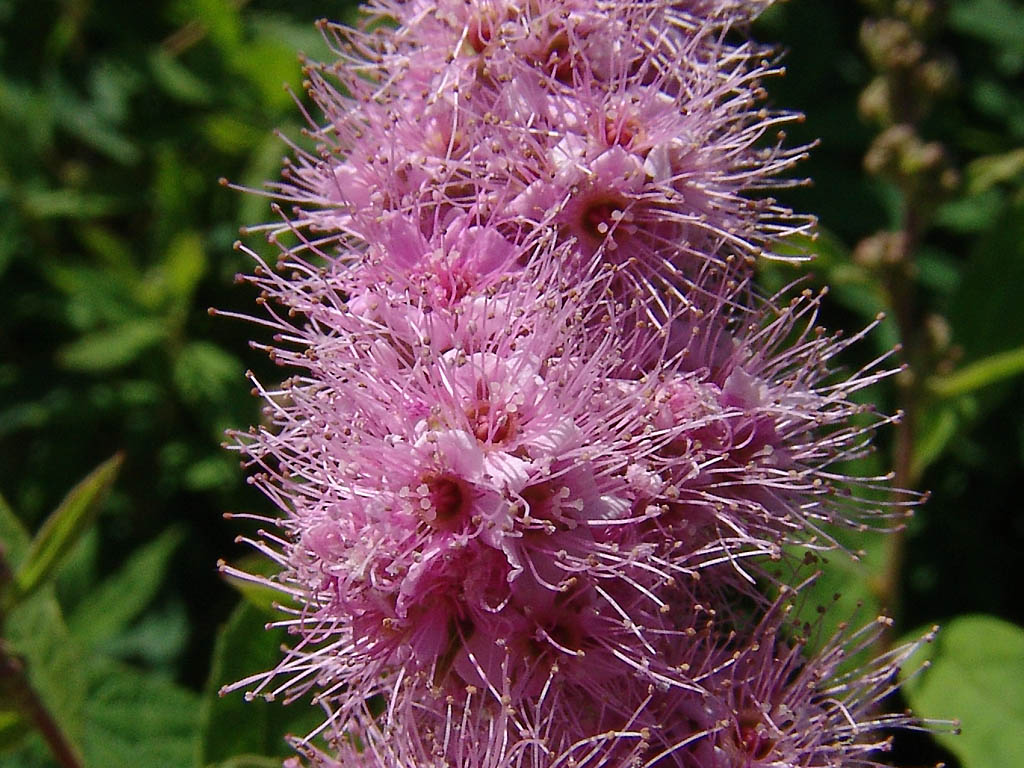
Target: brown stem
x=902 y=297
x=12 y=672
x=15 y=683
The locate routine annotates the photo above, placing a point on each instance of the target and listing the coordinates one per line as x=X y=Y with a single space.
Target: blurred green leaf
x=231 y=134
x=269 y=65
x=70 y=204
x=264 y=163
x=177 y=80
x=935 y=431
x=846 y=589
x=938 y=271
x=93 y=296
x=173 y=281
x=997 y=22
x=211 y=472
x=178 y=185
x=220 y=20
x=974 y=213
x=102 y=350
x=110 y=249
x=985 y=172
x=256 y=595
x=136 y=719
x=13 y=729
x=83 y=120
x=979 y=374
x=976 y=675
x=299 y=36
x=14 y=539
x=987 y=314
x=203 y=372
x=35 y=630
x=111 y=606
x=13 y=535
x=185 y=264
x=76 y=576
x=231 y=727
x=158 y=638
x=63 y=528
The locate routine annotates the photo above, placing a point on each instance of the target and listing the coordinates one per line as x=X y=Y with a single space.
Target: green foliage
x=975 y=675
x=111 y=712
x=62 y=530
x=109 y=608
x=236 y=732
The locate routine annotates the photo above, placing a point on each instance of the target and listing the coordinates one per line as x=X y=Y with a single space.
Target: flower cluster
x=543 y=452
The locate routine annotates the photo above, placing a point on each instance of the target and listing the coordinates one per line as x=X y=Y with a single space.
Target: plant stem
x=901 y=289
x=15 y=684
x=12 y=672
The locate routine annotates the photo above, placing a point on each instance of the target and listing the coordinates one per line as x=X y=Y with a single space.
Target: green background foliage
x=117 y=119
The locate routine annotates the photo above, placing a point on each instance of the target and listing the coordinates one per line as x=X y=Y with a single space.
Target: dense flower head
x=759 y=697
x=631 y=128
x=489 y=489
x=541 y=444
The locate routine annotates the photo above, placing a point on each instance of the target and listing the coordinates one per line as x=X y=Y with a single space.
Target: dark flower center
x=599 y=216
x=621 y=131
x=489 y=426
x=753 y=737
x=449 y=501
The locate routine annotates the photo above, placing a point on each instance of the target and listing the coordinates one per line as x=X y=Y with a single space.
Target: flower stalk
x=909 y=81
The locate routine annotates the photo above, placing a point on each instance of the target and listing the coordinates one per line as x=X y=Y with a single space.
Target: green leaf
x=210 y=473
x=183 y=265
x=987 y=314
x=62 y=529
x=230 y=134
x=158 y=638
x=13 y=729
x=70 y=204
x=15 y=540
x=35 y=630
x=997 y=22
x=976 y=675
x=936 y=430
x=974 y=213
x=269 y=65
x=111 y=607
x=231 y=727
x=986 y=172
x=203 y=372
x=93 y=296
x=220 y=19
x=83 y=120
x=846 y=590
x=256 y=595
x=102 y=350
x=171 y=75
x=979 y=374
x=13 y=534
x=137 y=719
x=77 y=575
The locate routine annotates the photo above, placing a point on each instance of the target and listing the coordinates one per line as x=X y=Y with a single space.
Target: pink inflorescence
x=543 y=453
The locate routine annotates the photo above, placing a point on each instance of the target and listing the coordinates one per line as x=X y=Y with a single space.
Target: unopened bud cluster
x=546 y=464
